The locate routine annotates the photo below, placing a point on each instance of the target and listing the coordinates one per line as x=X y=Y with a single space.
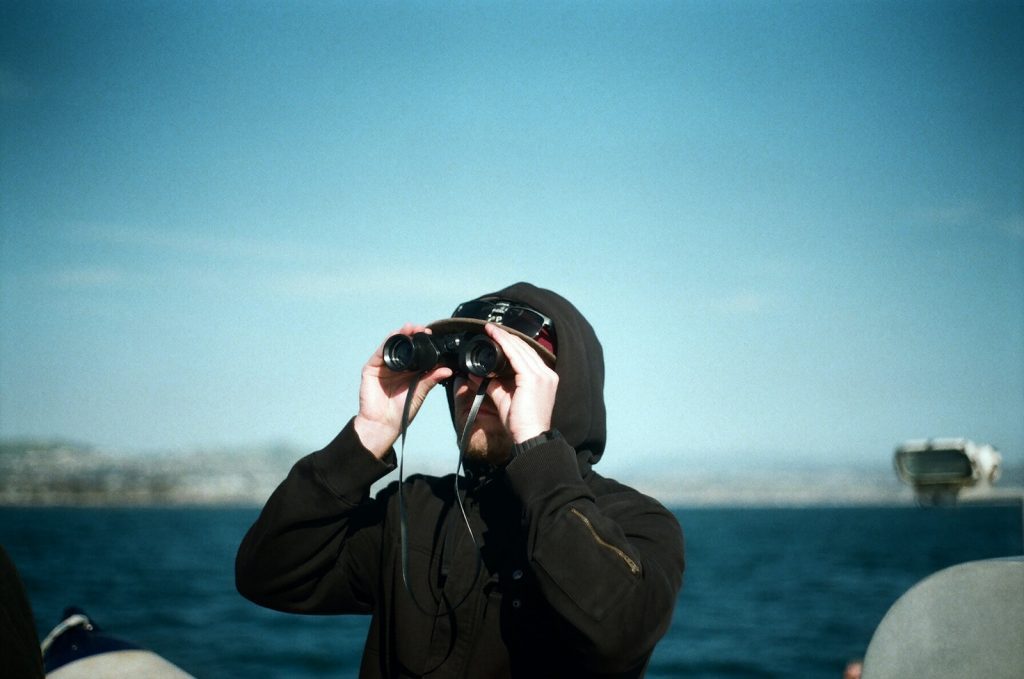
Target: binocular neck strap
x=478 y=398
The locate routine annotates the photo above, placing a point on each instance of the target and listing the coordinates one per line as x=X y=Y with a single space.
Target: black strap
x=403 y=511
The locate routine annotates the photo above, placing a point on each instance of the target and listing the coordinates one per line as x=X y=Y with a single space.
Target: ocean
x=773 y=592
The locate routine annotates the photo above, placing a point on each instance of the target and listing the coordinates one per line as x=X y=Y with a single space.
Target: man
x=531 y=565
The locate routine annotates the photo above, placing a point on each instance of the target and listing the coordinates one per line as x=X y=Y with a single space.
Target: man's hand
x=382 y=394
x=525 y=400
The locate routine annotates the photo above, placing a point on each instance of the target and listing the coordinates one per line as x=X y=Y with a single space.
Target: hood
x=579 y=413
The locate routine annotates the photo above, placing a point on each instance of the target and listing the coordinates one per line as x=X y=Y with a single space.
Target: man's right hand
x=382 y=395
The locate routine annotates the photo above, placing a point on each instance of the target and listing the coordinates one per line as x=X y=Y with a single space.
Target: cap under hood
x=579 y=413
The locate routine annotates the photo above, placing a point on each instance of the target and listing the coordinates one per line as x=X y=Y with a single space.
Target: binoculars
x=465 y=352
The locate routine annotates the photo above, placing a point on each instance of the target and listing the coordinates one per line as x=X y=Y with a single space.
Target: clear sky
x=798 y=227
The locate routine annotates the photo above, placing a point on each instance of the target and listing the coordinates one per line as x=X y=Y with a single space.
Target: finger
x=429 y=380
x=515 y=349
x=521 y=356
x=437 y=375
x=501 y=395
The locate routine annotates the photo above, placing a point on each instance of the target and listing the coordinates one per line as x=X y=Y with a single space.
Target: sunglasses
x=529 y=322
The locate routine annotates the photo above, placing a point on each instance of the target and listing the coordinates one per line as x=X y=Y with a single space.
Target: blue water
x=768 y=592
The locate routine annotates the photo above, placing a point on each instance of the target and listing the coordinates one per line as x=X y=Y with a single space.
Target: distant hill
x=61 y=473
x=68 y=473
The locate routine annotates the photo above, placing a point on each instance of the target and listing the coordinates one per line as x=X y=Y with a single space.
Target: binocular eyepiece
x=465 y=352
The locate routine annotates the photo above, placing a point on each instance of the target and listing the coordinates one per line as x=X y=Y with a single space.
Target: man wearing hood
x=530 y=565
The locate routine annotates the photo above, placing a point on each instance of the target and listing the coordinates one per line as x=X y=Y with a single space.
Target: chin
x=492 y=447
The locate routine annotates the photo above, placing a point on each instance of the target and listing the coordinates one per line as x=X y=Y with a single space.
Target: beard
x=489 y=440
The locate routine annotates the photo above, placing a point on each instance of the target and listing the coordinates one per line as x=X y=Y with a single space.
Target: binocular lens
x=399 y=354
x=482 y=357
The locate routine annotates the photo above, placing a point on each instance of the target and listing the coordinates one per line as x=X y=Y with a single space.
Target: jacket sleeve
x=611 y=566
x=316 y=543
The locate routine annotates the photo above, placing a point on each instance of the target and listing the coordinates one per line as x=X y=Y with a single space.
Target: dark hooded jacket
x=565 y=574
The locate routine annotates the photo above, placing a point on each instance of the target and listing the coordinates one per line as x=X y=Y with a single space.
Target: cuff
x=347 y=468
x=537 y=440
x=544 y=469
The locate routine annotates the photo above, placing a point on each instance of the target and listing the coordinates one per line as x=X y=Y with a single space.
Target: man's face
x=489 y=440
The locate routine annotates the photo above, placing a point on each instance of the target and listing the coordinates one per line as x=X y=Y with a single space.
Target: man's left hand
x=526 y=399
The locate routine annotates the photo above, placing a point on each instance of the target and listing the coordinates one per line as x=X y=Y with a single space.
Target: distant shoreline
x=69 y=475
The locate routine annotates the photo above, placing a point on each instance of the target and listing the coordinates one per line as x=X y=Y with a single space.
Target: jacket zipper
x=634 y=568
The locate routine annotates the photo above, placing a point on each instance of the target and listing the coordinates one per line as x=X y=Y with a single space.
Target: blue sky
x=797 y=227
